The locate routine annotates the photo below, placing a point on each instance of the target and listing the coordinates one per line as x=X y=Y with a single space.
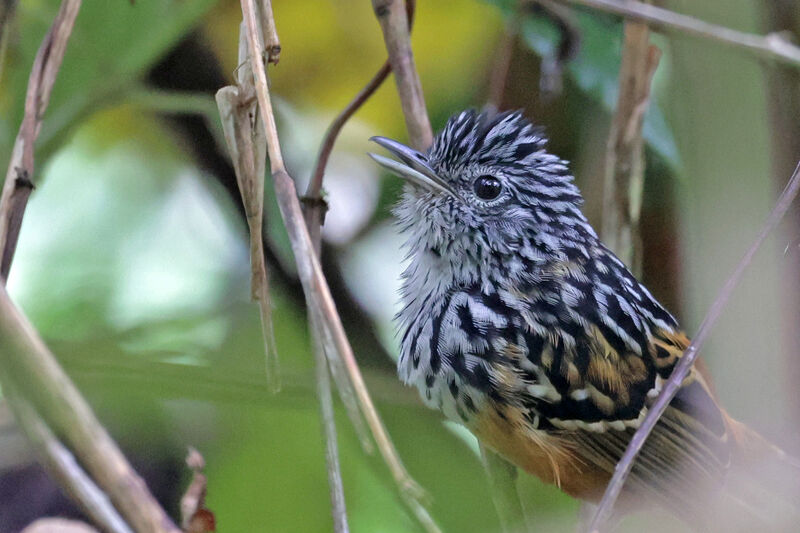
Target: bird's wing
x=594 y=392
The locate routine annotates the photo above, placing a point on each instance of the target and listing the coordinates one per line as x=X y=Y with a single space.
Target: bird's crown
x=487 y=187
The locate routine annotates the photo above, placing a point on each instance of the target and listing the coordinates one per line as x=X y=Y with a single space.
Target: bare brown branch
x=394 y=23
x=19 y=176
x=310 y=273
x=25 y=359
x=624 y=175
x=683 y=367
x=772 y=47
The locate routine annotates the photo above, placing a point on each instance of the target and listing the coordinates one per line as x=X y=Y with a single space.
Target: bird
x=517 y=322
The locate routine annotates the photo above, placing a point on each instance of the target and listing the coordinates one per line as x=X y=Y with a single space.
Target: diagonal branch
x=683 y=367
x=24 y=358
x=772 y=47
x=61 y=464
x=311 y=276
x=315 y=183
x=315 y=207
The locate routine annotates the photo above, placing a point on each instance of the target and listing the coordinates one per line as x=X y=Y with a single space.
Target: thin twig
x=25 y=359
x=315 y=208
x=313 y=280
x=683 y=367
x=624 y=175
x=19 y=176
x=323 y=380
x=61 y=464
x=394 y=23
x=314 y=189
x=772 y=47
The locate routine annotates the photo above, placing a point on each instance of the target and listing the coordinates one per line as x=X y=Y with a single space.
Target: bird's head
x=486 y=188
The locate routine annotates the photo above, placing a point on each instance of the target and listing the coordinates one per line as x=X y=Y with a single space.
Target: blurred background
x=133 y=261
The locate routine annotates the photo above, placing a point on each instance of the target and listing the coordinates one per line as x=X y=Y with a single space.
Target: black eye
x=487 y=187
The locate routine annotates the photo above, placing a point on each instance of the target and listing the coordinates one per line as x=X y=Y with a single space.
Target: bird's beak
x=412 y=166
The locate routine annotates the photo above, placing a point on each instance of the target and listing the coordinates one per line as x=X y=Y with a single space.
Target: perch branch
x=772 y=47
x=683 y=367
x=311 y=276
x=624 y=173
x=315 y=207
x=19 y=176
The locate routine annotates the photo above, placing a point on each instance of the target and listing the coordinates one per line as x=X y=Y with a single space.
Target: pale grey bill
x=412 y=168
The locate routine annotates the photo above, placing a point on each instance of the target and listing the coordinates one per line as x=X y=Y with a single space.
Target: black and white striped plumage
x=519 y=323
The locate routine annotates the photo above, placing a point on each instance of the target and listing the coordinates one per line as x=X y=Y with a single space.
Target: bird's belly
x=538 y=452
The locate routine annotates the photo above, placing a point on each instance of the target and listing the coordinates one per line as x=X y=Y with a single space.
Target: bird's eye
x=487 y=187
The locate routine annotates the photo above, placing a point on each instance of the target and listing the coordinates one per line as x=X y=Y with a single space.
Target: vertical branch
x=272 y=45
x=338 y=506
x=624 y=173
x=689 y=356
x=395 y=26
x=311 y=277
x=315 y=208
